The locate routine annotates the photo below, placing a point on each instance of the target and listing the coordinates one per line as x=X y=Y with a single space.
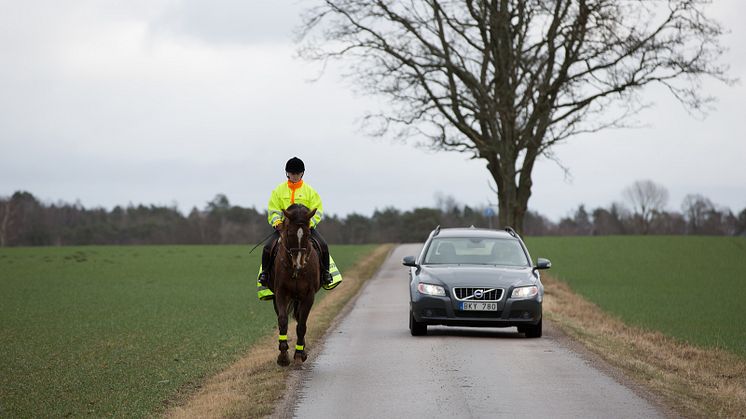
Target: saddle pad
x=336 y=275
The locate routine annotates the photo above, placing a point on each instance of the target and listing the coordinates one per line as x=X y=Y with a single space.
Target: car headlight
x=430 y=289
x=525 y=292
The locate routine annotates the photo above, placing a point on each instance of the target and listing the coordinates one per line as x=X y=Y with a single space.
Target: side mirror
x=409 y=261
x=542 y=263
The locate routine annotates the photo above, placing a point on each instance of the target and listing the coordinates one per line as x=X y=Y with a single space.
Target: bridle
x=298 y=255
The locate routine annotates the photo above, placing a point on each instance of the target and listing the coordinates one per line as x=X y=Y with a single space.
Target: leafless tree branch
x=506 y=80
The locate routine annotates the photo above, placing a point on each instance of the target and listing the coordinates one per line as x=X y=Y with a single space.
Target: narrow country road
x=370 y=366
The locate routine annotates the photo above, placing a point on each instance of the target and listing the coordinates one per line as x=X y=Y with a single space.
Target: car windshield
x=476 y=251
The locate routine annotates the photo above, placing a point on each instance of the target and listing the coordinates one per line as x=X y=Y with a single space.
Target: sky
x=170 y=102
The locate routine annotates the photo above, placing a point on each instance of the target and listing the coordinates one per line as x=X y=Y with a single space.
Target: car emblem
x=478 y=293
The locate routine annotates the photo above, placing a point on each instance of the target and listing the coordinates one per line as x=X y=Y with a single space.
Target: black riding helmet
x=295 y=165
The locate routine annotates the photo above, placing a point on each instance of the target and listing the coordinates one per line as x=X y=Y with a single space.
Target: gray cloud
x=231 y=21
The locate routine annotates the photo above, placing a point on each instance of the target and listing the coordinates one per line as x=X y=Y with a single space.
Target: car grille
x=478 y=294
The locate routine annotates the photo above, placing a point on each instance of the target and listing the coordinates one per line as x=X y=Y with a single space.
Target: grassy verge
x=254 y=384
x=115 y=330
x=695 y=381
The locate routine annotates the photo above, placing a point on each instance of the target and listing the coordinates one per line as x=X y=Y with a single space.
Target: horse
x=295 y=279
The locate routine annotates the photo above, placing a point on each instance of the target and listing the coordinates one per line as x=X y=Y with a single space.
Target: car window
x=476 y=251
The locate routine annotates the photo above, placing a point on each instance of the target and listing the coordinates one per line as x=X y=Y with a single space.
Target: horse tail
x=293 y=309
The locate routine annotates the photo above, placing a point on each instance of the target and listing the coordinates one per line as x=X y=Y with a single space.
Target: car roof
x=474 y=232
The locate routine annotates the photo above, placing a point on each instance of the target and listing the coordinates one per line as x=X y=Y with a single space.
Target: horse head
x=296 y=234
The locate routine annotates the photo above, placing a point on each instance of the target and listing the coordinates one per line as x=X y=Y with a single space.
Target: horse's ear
x=311 y=214
x=287 y=215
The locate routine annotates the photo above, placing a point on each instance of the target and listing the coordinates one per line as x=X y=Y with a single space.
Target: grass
x=687 y=287
x=109 y=330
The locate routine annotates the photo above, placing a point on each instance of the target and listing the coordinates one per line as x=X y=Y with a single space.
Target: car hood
x=477 y=276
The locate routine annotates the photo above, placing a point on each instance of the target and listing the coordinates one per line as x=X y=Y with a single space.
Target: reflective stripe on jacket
x=283 y=196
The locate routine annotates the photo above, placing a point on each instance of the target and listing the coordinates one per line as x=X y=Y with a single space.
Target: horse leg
x=281 y=306
x=303 y=310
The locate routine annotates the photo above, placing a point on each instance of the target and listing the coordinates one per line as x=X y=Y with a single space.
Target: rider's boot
x=326 y=279
x=262 y=282
x=263 y=279
x=262 y=290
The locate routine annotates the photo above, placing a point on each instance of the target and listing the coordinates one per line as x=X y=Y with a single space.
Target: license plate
x=478 y=306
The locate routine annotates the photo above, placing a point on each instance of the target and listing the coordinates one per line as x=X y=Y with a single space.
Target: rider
x=294 y=191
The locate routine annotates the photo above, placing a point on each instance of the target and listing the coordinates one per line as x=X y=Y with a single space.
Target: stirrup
x=331 y=281
x=263 y=278
x=327 y=278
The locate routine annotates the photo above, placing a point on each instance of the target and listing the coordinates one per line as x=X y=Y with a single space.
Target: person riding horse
x=293 y=191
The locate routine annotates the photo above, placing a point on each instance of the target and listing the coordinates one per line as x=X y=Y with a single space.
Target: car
x=478 y=278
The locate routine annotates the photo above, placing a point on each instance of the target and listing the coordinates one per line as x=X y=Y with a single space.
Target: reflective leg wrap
x=283 y=346
x=299 y=347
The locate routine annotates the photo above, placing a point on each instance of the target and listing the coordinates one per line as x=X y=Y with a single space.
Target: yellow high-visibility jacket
x=286 y=194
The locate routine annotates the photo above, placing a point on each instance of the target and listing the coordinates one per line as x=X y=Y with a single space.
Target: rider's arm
x=274 y=209
x=315 y=202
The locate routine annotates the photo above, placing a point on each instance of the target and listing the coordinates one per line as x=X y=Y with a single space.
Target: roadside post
x=489 y=213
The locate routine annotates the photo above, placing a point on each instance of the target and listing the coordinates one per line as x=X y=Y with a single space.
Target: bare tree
x=446 y=203
x=647 y=199
x=696 y=208
x=505 y=80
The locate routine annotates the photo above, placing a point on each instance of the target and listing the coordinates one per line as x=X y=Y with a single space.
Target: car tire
x=415 y=327
x=533 y=331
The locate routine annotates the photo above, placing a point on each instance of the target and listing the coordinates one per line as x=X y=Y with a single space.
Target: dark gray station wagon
x=475 y=277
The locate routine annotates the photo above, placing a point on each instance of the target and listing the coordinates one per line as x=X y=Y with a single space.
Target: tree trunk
x=512 y=202
x=512 y=214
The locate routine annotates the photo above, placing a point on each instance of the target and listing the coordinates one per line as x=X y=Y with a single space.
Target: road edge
x=286 y=407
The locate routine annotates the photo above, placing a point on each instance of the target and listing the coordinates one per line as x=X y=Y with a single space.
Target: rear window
x=476 y=251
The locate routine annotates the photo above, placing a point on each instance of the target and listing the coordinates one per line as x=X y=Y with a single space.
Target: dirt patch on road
x=254 y=384
x=695 y=382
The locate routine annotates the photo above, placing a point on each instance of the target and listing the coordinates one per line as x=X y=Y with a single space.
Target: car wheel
x=415 y=327
x=533 y=331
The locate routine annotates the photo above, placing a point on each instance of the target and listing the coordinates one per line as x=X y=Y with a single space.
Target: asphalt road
x=370 y=366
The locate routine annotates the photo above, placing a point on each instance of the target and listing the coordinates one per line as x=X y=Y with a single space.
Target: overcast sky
x=170 y=102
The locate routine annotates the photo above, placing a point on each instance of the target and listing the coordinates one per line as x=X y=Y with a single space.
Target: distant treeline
x=25 y=221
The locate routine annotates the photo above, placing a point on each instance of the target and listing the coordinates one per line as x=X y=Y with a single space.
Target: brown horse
x=295 y=279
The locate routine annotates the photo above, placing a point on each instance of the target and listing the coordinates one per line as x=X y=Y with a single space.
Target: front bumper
x=433 y=310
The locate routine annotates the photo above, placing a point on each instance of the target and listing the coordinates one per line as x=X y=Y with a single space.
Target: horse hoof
x=283 y=360
x=298 y=360
x=300 y=356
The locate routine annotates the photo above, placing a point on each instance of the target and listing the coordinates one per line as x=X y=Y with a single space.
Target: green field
x=116 y=330
x=692 y=288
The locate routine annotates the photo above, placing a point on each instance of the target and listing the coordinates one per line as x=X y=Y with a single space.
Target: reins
x=262 y=241
x=292 y=251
